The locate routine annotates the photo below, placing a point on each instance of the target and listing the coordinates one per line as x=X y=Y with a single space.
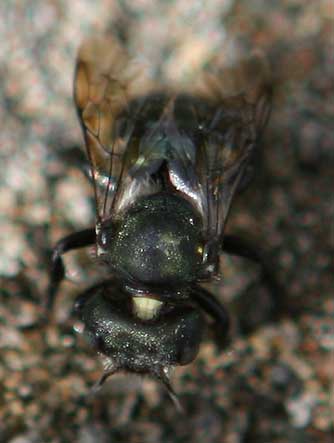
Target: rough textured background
x=275 y=383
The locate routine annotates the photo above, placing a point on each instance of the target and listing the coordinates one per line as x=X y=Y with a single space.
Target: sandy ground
x=275 y=382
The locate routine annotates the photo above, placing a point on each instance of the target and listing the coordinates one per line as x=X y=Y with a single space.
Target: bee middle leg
x=76 y=240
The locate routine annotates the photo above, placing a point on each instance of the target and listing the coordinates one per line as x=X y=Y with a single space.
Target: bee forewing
x=131 y=127
x=241 y=97
x=105 y=80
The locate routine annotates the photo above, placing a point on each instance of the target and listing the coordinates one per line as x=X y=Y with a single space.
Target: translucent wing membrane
x=104 y=80
x=241 y=103
x=141 y=138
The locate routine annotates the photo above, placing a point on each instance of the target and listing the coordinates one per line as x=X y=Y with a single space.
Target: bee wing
x=242 y=96
x=206 y=137
x=103 y=82
x=213 y=134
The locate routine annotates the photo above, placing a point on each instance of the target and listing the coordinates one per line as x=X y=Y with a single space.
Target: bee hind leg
x=235 y=245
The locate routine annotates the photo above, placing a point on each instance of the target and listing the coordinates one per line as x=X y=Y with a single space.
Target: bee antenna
x=106 y=374
x=162 y=375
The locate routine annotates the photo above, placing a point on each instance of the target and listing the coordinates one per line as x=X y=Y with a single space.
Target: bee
x=165 y=164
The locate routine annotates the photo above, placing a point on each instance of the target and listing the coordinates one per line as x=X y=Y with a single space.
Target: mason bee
x=166 y=163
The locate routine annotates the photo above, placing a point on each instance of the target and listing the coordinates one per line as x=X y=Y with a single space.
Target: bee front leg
x=209 y=304
x=76 y=240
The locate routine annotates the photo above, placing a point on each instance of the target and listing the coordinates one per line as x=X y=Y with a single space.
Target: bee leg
x=76 y=240
x=209 y=304
x=235 y=245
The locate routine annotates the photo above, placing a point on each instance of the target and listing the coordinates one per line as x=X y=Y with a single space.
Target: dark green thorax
x=158 y=240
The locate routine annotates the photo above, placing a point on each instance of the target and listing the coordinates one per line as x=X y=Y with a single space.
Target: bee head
x=132 y=339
